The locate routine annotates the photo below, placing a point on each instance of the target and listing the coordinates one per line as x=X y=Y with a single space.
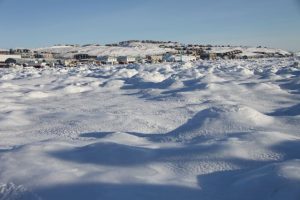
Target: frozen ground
x=208 y=130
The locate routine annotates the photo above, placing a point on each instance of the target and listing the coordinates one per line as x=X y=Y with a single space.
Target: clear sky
x=35 y=23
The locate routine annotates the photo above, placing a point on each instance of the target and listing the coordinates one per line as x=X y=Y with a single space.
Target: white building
x=5 y=57
x=107 y=60
x=126 y=59
x=179 y=58
x=4 y=51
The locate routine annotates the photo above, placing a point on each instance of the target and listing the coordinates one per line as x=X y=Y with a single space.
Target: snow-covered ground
x=207 y=130
x=250 y=51
x=132 y=49
x=143 y=49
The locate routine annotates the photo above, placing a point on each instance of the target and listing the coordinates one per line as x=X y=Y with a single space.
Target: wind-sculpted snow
x=206 y=130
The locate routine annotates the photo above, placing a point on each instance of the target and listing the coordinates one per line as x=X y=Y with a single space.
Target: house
x=229 y=54
x=140 y=59
x=179 y=58
x=187 y=58
x=25 y=53
x=208 y=56
x=44 y=55
x=57 y=55
x=154 y=58
x=108 y=60
x=195 y=51
x=69 y=62
x=4 y=52
x=249 y=56
x=81 y=56
x=126 y=59
x=7 y=59
x=21 y=51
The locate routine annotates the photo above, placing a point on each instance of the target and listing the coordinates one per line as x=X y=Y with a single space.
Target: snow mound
x=222 y=119
x=275 y=181
x=11 y=191
x=37 y=95
x=14 y=118
x=114 y=84
x=125 y=73
x=155 y=77
x=108 y=154
x=73 y=89
x=9 y=86
x=244 y=71
x=7 y=77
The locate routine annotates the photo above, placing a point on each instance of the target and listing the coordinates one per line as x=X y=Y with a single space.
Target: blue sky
x=34 y=23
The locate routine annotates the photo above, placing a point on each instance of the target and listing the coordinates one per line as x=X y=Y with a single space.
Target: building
x=194 y=51
x=249 y=56
x=44 y=55
x=187 y=58
x=179 y=58
x=126 y=59
x=140 y=59
x=21 y=51
x=57 y=55
x=84 y=56
x=81 y=56
x=111 y=60
x=69 y=62
x=7 y=59
x=229 y=54
x=25 y=53
x=208 y=56
x=154 y=58
x=4 y=52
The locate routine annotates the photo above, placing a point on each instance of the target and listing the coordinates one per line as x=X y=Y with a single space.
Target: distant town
x=75 y=55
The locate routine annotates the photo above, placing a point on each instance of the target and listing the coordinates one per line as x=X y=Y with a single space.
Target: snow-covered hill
x=132 y=49
x=226 y=129
x=142 y=49
x=250 y=51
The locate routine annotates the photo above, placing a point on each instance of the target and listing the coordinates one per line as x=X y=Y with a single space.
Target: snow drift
x=225 y=129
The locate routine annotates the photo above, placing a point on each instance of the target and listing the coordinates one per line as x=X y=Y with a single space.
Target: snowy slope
x=249 y=51
x=142 y=49
x=133 y=49
x=207 y=130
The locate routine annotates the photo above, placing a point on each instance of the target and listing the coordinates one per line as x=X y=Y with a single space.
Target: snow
x=249 y=51
x=132 y=49
x=225 y=129
x=143 y=49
